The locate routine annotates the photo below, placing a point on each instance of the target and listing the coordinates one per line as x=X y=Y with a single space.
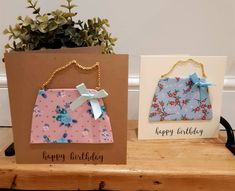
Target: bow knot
x=86 y=95
x=201 y=84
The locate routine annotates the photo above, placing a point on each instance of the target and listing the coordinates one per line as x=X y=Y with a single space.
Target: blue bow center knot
x=201 y=84
x=86 y=95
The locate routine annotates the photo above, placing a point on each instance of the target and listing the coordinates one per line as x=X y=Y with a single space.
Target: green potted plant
x=58 y=29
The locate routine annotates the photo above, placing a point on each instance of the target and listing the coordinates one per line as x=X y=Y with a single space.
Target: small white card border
x=151 y=68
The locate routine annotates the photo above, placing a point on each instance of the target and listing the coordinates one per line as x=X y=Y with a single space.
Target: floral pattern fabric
x=179 y=99
x=54 y=122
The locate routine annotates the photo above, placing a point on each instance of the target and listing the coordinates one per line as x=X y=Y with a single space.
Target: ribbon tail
x=95 y=106
x=82 y=89
x=203 y=93
x=78 y=102
x=101 y=94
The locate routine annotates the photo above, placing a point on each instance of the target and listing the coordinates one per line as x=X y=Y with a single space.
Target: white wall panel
x=196 y=27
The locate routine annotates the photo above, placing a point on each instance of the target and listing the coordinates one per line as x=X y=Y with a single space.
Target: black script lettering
x=190 y=131
x=53 y=157
x=164 y=132
x=86 y=156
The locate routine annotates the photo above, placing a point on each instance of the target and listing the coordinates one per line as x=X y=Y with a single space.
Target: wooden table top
x=179 y=165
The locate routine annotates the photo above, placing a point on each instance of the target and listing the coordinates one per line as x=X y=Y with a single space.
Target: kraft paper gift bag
x=68 y=137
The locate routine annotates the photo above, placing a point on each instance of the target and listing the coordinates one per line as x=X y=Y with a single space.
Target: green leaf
x=52 y=26
x=25 y=37
x=10 y=37
x=57 y=13
x=36 y=11
x=72 y=6
x=65 y=6
x=17 y=27
x=90 y=22
x=42 y=27
x=16 y=33
x=34 y=26
x=42 y=19
x=6 y=31
x=99 y=20
x=106 y=22
x=10 y=29
x=67 y=15
x=19 y=18
x=61 y=20
x=27 y=21
x=35 y=3
x=7 y=46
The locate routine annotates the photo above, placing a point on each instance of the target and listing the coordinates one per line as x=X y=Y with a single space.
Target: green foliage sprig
x=58 y=29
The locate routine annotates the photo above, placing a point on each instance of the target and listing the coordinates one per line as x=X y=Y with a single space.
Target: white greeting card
x=180 y=96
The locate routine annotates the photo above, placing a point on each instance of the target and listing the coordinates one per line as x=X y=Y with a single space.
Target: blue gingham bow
x=201 y=84
x=92 y=97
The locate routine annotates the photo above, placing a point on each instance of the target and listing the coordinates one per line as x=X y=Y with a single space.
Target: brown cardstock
x=26 y=72
x=90 y=49
x=80 y=50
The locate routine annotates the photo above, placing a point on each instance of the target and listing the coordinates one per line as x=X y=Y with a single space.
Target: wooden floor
x=180 y=165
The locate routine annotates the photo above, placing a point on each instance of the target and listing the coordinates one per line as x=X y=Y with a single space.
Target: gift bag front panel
x=54 y=121
x=178 y=99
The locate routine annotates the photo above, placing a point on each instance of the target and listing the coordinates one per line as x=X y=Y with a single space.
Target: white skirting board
x=5 y=119
x=228 y=109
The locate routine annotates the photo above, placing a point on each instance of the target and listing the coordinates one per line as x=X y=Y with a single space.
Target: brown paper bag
x=27 y=71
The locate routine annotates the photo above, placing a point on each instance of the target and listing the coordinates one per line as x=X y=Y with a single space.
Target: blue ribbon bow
x=92 y=97
x=201 y=84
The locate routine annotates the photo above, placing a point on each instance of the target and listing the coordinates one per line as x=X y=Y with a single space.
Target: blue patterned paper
x=179 y=99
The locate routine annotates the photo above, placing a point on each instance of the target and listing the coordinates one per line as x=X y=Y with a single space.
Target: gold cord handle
x=74 y=62
x=185 y=62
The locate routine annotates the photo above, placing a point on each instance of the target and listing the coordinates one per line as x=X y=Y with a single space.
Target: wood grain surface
x=179 y=165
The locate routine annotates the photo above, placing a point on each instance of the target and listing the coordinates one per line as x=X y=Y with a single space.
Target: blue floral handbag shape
x=181 y=98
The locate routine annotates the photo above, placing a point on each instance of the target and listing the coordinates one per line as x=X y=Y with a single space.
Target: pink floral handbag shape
x=181 y=98
x=75 y=115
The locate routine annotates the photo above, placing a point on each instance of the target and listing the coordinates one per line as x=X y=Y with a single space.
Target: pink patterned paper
x=54 y=122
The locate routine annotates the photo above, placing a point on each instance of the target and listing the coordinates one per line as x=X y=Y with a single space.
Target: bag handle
x=186 y=62
x=74 y=62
